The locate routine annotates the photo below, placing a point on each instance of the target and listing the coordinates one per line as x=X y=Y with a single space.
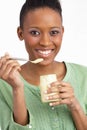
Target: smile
x=45 y=53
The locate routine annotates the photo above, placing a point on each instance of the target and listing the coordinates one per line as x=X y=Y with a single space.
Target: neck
x=42 y=69
x=32 y=72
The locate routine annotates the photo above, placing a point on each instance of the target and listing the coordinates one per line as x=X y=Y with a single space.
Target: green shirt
x=43 y=116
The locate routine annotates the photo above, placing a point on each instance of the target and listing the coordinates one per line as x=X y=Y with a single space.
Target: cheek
x=57 y=40
x=32 y=41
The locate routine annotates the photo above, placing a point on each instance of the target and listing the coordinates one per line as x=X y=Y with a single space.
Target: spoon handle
x=20 y=59
x=33 y=61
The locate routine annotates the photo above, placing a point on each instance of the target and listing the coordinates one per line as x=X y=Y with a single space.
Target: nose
x=45 y=40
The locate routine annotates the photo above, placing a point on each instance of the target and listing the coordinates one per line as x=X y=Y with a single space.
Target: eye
x=54 y=32
x=34 y=33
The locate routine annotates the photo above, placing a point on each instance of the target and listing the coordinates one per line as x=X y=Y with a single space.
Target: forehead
x=42 y=16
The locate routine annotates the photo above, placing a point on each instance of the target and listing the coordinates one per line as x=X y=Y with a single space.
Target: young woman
x=21 y=107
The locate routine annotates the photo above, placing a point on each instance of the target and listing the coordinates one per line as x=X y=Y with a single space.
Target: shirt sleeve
x=7 y=121
x=84 y=93
x=6 y=117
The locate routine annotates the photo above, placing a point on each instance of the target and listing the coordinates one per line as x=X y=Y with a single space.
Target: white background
x=74 y=48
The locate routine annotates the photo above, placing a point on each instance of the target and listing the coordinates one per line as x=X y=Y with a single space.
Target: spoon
x=32 y=61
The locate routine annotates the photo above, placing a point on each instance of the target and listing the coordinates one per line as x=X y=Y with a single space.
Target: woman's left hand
x=63 y=94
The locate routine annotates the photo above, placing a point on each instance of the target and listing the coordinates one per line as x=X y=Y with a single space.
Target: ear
x=62 y=29
x=20 y=33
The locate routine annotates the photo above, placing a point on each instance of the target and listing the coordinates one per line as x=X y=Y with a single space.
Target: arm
x=19 y=106
x=6 y=117
x=65 y=94
x=9 y=72
x=79 y=117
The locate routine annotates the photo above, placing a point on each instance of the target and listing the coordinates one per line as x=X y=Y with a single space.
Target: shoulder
x=77 y=68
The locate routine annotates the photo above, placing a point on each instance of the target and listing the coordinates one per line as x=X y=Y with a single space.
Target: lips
x=45 y=53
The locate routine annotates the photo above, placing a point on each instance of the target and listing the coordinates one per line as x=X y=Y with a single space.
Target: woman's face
x=42 y=32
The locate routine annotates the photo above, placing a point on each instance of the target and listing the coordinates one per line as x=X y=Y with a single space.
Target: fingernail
x=49 y=85
x=47 y=98
x=6 y=53
x=45 y=92
x=50 y=104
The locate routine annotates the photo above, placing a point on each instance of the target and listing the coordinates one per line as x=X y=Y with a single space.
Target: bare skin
x=42 y=33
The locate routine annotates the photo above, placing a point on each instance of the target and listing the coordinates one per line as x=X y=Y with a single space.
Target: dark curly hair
x=34 y=4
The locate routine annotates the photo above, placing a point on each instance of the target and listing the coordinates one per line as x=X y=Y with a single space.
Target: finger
x=54 y=103
x=9 y=73
x=6 y=56
x=65 y=95
x=9 y=64
x=67 y=101
x=64 y=84
x=53 y=87
x=58 y=88
x=7 y=67
x=14 y=72
x=65 y=90
x=53 y=96
x=3 y=59
x=57 y=83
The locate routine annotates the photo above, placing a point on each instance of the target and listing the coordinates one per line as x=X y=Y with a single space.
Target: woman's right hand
x=9 y=71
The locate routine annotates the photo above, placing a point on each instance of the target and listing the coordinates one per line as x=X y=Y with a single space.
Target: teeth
x=45 y=52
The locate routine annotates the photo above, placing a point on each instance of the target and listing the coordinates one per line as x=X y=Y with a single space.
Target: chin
x=46 y=62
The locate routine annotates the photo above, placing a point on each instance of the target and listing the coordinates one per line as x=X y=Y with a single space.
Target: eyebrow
x=34 y=27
